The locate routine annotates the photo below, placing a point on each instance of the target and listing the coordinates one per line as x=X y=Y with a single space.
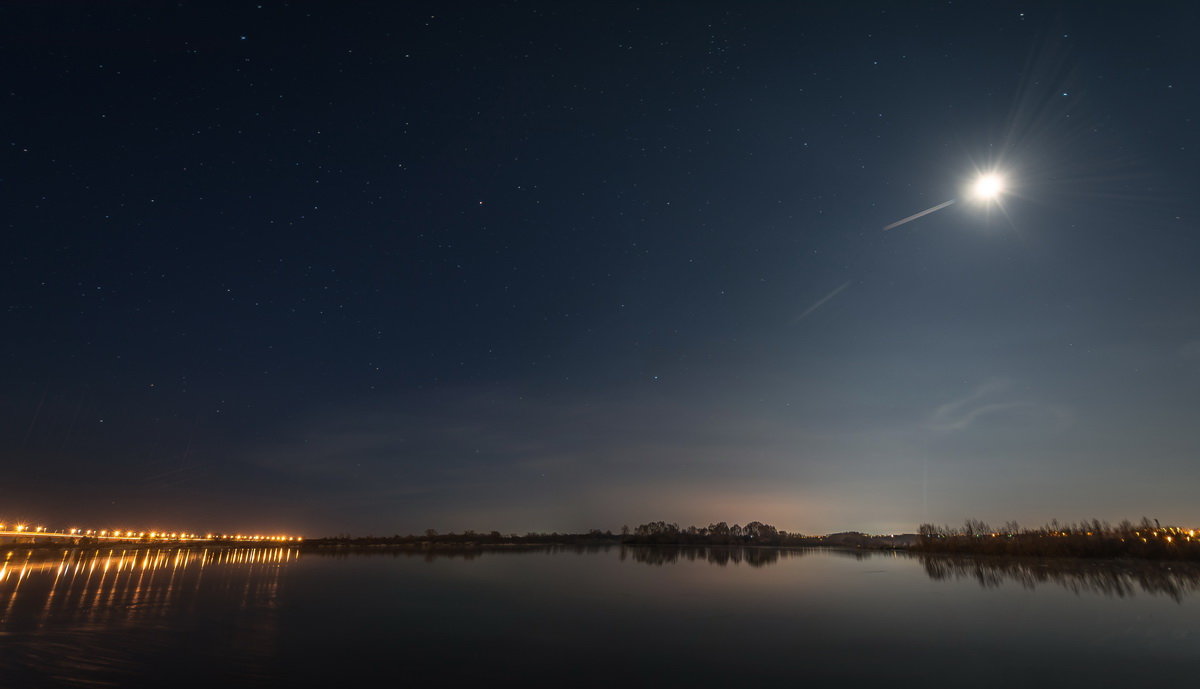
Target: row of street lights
x=26 y=530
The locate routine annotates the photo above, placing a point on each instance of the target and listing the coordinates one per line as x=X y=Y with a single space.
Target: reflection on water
x=714 y=555
x=460 y=617
x=735 y=555
x=94 y=615
x=455 y=552
x=123 y=584
x=644 y=554
x=1110 y=578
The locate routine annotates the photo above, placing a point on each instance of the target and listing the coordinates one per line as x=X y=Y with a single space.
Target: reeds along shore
x=1095 y=539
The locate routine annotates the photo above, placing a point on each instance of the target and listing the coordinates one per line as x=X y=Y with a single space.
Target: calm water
x=609 y=617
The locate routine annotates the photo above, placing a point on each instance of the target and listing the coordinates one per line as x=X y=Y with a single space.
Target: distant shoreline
x=44 y=551
x=1092 y=540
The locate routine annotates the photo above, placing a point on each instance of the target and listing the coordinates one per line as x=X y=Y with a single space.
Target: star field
x=542 y=266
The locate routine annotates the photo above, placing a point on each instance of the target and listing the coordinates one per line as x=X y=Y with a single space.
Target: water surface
x=594 y=617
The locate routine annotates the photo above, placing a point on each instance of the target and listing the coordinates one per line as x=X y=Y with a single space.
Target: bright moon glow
x=988 y=187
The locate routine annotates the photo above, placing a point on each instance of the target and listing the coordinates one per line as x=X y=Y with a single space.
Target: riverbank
x=1094 y=542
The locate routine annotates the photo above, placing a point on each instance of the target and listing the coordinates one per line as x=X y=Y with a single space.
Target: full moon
x=988 y=187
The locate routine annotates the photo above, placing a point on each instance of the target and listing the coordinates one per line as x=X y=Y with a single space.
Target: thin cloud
x=988 y=399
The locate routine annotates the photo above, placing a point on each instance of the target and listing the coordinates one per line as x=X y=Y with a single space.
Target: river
x=562 y=617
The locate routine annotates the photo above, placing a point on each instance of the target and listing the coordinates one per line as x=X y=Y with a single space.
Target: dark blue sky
x=383 y=266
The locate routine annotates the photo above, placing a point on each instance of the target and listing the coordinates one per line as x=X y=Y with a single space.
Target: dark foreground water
x=608 y=617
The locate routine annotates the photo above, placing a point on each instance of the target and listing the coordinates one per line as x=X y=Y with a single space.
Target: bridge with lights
x=25 y=533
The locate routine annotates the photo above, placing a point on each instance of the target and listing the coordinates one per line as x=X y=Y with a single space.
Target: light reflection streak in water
x=469 y=615
x=113 y=585
x=109 y=617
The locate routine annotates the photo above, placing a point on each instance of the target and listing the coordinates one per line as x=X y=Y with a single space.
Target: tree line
x=720 y=533
x=652 y=533
x=755 y=533
x=432 y=538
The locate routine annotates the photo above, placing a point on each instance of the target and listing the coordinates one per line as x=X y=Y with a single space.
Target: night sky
x=378 y=267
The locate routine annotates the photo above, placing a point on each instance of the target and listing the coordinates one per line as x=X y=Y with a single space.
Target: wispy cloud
x=990 y=398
